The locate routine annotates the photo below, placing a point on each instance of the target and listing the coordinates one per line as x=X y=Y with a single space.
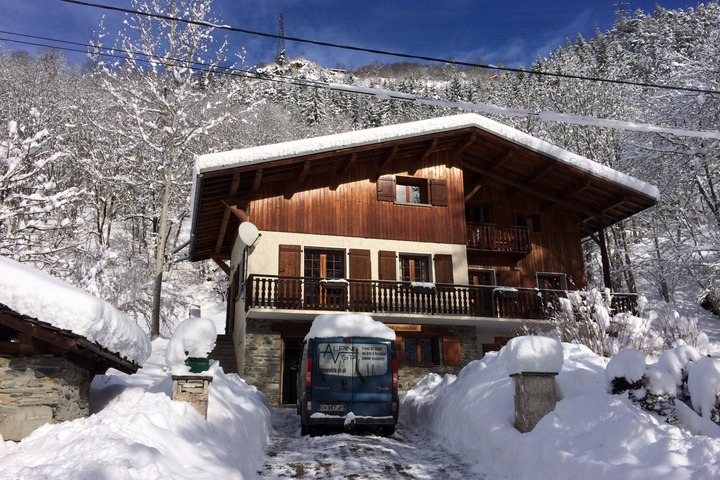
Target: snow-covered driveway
x=405 y=455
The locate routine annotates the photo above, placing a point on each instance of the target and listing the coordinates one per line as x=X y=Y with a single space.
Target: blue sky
x=512 y=31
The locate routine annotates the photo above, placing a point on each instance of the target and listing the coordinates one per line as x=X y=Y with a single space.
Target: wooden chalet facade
x=454 y=231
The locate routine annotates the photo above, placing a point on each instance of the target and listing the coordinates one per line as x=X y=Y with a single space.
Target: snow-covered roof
x=41 y=296
x=269 y=153
x=349 y=325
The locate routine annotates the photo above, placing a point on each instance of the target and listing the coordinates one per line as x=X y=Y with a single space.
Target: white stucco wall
x=263 y=258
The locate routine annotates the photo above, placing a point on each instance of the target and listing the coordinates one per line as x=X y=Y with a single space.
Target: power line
x=390 y=53
x=383 y=94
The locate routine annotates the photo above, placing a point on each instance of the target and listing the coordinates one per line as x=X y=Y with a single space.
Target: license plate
x=332 y=408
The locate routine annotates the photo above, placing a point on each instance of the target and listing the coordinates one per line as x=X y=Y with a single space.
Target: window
x=478 y=213
x=552 y=281
x=411 y=190
x=329 y=264
x=531 y=221
x=421 y=350
x=414 y=268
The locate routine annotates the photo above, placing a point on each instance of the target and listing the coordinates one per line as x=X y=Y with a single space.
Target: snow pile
x=36 y=294
x=590 y=434
x=704 y=386
x=348 y=325
x=194 y=337
x=142 y=434
x=533 y=354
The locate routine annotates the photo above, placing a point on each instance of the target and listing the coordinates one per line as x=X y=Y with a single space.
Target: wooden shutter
x=289 y=261
x=438 y=192
x=386 y=188
x=360 y=264
x=444 y=269
x=289 y=290
x=387 y=266
x=452 y=351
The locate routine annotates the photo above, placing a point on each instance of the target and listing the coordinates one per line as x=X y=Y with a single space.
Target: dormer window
x=404 y=190
x=411 y=190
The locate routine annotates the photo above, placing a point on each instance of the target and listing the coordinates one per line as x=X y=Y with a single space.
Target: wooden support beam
x=351 y=161
x=221 y=263
x=472 y=192
x=532 y=178
x=467 y=144
x=429 y=150
x=573 y=206
x=256 y=181
x=304 y=172
x=391 y=156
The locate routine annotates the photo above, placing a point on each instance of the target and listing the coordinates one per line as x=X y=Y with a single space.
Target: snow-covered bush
x=587 y=318
x=650 y=387
x=704 y=387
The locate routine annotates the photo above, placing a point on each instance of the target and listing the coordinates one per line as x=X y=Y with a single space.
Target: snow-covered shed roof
x=31 y=299
x=488 y=149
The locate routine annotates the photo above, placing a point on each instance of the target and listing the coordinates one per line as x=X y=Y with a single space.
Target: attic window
x=412 y=190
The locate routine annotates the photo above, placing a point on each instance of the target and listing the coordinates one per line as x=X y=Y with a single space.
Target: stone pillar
x=194 y=389
x=535 y=397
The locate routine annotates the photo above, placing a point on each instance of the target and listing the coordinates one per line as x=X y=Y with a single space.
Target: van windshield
x=349 y=359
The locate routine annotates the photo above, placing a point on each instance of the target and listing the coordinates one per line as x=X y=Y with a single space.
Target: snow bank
x=628 y=364
x=142 y=434
x=533 y=353
x=36 y=294
x=348 y=325
x=193 y=337
x=704 y=385
x=590 y=434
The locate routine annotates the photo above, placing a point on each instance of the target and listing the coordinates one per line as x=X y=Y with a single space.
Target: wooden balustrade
x=499 y=238
x=296 y=293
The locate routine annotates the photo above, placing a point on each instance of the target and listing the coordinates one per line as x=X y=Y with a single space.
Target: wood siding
x=556 y=247
x=354 y=209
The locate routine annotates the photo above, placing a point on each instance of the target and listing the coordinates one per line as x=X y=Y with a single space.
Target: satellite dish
x=248 y=233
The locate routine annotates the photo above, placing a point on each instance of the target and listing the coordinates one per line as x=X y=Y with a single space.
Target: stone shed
x=45 y=373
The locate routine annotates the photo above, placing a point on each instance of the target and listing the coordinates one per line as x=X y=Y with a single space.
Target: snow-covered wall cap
x=193 y=337
x=36 y=294
x=349 y=325
x=533 y=354
x=268 y=153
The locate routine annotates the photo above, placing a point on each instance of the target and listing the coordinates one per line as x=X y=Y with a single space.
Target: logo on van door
x=365 y=359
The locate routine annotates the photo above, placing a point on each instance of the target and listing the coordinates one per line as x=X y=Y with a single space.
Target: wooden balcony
x=507 y=239
x=373 y=296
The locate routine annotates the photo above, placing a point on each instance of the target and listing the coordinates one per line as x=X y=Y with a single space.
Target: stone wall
x=262 y=358
x=409 y=376
x=39 y=390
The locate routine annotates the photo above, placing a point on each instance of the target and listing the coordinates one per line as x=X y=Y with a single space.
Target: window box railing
x=378 y=296
x=499 y=238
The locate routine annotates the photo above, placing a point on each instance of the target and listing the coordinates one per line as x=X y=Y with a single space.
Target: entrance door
x=325 y=284
x=292 y=350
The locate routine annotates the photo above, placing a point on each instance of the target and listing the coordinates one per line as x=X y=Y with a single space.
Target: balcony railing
x=374 y=296
x=499 y=238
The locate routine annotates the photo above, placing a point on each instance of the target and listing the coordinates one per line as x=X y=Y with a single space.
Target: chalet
x=454 y=231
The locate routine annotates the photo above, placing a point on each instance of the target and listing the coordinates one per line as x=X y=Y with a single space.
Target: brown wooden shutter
x=438 y=192
x=387 y=266
x=289 y=290
x=452 y=351
x=360 y=269
x=360 y=264
x=386 y=188
x=444 y=269
x=289 y=261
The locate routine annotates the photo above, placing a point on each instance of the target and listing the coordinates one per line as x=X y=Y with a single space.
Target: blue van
x=348 y=382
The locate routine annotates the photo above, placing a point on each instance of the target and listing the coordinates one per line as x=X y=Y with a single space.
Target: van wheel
x=387 y=430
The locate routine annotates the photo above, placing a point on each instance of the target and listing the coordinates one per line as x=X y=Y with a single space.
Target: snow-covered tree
x=160 y=99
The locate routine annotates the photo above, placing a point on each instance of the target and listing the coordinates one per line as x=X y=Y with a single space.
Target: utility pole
x=280 y=57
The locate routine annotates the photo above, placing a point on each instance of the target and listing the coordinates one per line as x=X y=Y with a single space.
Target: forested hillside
x=95 y=178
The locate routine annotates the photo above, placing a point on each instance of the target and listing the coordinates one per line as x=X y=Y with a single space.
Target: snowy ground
x=407 y=455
